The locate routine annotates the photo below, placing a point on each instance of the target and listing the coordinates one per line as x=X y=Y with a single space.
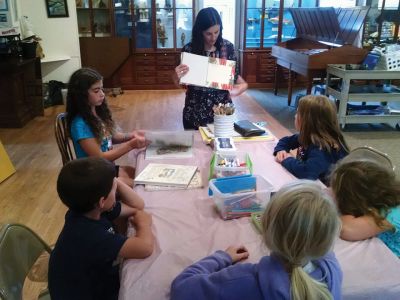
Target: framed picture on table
x=57 y=8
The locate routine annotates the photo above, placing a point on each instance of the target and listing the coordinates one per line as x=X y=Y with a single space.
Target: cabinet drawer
x=266 y=68
x=145 y=68
x=162 y=74
x=267 y=61
x=145 y=59
x=145 y=74
x=166 y=68
x=146 y=80
x=168 y=59
x=165 y=80
x=265 y=78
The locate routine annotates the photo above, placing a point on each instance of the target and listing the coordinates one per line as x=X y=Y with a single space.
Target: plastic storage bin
x=240 y=196
x=228 y=169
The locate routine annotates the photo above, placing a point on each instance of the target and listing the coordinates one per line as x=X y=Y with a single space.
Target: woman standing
x=207 y=41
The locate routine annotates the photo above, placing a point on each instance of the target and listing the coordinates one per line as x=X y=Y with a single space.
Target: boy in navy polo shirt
x=85 y=261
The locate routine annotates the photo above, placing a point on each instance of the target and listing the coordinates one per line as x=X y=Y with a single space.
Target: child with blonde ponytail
x=299 y=226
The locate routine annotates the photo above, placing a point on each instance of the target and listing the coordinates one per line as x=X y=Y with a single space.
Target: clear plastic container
x=230 y=163
x=240 y=196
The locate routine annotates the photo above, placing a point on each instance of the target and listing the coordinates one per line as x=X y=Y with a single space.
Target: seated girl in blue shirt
x=368 y=196
x=92 y=128
x=299 y=226
x=319 y=143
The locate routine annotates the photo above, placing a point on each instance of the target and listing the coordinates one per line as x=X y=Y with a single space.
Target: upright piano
x=323 y=36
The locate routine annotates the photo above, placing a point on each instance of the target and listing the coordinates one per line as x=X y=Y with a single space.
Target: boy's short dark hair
x=82 y=182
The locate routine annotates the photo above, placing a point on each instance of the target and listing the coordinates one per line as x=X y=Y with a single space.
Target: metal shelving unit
x=343 y=91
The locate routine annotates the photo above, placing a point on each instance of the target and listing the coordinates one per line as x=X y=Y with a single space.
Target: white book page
x=165 y=174
x=198 y=66
x=219 y=73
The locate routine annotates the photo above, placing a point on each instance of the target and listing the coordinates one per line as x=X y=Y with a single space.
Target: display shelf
x=345 y=91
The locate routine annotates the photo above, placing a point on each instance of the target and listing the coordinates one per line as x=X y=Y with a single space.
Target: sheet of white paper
x=198 y=66
x=219 y=73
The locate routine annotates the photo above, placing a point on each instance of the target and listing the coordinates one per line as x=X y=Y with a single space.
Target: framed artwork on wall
x=56 y=8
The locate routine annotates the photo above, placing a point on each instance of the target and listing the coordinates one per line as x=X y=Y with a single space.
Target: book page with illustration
x=166 y=174
x=209 y=72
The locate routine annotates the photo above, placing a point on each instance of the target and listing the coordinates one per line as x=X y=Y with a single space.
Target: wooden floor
x=29 y=196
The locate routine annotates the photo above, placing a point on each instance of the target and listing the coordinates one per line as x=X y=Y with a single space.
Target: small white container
x=223 y=125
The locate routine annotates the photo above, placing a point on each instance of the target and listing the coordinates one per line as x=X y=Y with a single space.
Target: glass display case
x=154 y=24
x=94 y=18
x=266 y=25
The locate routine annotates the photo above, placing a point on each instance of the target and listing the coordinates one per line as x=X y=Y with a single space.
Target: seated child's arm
x=316 y=164
x=92 y=148
x=141 y=245
x=128 y=195
x=361 y=228
x=287 y=143
x=121 y=137
x=206 y=276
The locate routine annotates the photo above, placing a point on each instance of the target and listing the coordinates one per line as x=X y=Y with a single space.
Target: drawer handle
x=145 y=54
x=165 y=54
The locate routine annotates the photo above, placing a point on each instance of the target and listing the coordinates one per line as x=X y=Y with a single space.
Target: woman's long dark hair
x=78 y=102
x=206 y=18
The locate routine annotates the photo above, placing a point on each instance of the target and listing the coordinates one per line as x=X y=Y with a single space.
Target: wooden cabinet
x=263 y=24
x=20 y=91
x=258 y=67
x=156 y=30
x=94 y=18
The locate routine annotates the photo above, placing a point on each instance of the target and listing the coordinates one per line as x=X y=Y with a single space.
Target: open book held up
x=211 y=72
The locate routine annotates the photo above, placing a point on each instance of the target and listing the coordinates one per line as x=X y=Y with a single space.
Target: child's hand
x=237 y=253
x=281 y=156
x=141 y=219
x=138 y=142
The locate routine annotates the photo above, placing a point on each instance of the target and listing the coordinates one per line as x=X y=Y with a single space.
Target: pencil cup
x=223 y=125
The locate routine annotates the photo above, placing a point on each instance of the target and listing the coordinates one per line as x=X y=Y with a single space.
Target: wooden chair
x=63 y=138
x=20 y=248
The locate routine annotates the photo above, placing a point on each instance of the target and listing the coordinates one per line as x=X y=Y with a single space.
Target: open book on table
x=195 y=183
x=169 y=144
x=166 y=175
x=212 y=72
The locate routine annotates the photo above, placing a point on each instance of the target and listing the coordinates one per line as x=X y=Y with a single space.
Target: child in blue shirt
x=368 y=196
x=85 y=261
x=319 y=143
x=299 y=226
x=92 y=128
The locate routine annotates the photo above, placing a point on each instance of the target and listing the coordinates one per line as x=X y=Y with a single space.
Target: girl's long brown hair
x=78 y=103
x=319 y=124
x=365 y=188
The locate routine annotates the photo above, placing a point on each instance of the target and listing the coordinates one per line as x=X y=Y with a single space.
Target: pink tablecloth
x=187 y=228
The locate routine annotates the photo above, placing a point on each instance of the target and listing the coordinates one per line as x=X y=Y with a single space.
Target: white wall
x=60 y=39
